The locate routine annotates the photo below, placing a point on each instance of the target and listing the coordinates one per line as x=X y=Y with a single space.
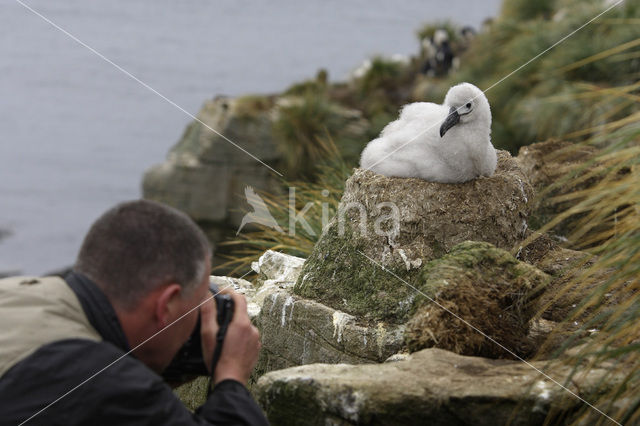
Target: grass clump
x=484 y=286
x=302 y=124
x=609 y=312
x=382 y=88
x=317 y=86
x=250 y=105
x=318 y=199
x=522 y=10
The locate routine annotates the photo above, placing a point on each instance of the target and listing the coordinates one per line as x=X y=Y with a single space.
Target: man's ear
x=167 y=304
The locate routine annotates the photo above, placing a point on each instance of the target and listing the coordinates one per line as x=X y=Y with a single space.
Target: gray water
x=76 y=134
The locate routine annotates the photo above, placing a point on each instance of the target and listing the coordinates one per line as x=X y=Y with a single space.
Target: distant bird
x=467 y=34
x=438 y=54
x=260 y=213
x=448 y=143
x=444 y=54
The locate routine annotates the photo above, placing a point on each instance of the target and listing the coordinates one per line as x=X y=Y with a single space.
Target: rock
x=10 y=273
x=276 y=271
x=402 y=356
x=545 y=337
x=401 y=224
x=297 y=331
x=548 y=165
x=277 y=268
x=238 y=285
x=568 y=270
x=205 y=175
x=432 y=387
x=241 y=286
x=482 y=285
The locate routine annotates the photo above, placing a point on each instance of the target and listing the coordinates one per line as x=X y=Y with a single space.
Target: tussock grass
x=302 y=125
x=382 y=89
x=320 y=198
x=522 y=10
x=606 y=219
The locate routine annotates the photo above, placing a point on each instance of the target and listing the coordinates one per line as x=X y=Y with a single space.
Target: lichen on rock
x=432 y=386
x=298 y=331
x=448 y=300
x=351 y=282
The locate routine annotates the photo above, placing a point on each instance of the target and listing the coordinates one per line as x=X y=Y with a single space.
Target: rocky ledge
x=433 y=386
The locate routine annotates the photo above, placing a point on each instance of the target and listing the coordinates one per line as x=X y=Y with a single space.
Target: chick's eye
x=468 y=105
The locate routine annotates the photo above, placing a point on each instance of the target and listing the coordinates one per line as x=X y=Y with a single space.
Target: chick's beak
x=452 y=119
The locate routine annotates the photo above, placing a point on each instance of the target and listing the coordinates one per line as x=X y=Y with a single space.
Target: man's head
x=152 y=262
x=137 y=246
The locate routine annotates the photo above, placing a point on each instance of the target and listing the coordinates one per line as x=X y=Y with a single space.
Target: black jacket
x=80 y=381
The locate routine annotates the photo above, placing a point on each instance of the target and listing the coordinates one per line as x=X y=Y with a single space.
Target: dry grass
x=607 y=223
x=321 y=198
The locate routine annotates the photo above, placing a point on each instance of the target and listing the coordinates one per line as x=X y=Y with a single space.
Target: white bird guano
x=449 y=143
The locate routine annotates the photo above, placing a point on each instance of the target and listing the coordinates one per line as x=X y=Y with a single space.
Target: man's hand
x=241 y=343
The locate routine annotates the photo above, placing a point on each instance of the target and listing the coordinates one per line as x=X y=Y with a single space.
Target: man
x=141 y=273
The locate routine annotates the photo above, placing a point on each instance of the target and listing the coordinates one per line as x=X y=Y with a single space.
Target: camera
x=188 y=362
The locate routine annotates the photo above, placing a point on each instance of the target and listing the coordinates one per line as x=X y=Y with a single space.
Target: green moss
x=283 y=402
x=339 y=275
x=482 y=262
x=483 y=285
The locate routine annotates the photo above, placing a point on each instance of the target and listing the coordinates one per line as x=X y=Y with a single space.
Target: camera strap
x=225 y=314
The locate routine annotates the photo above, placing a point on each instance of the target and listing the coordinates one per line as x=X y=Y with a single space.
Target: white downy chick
x=449 y=143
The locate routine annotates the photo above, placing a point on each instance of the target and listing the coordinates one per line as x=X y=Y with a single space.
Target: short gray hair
x=137 y=246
